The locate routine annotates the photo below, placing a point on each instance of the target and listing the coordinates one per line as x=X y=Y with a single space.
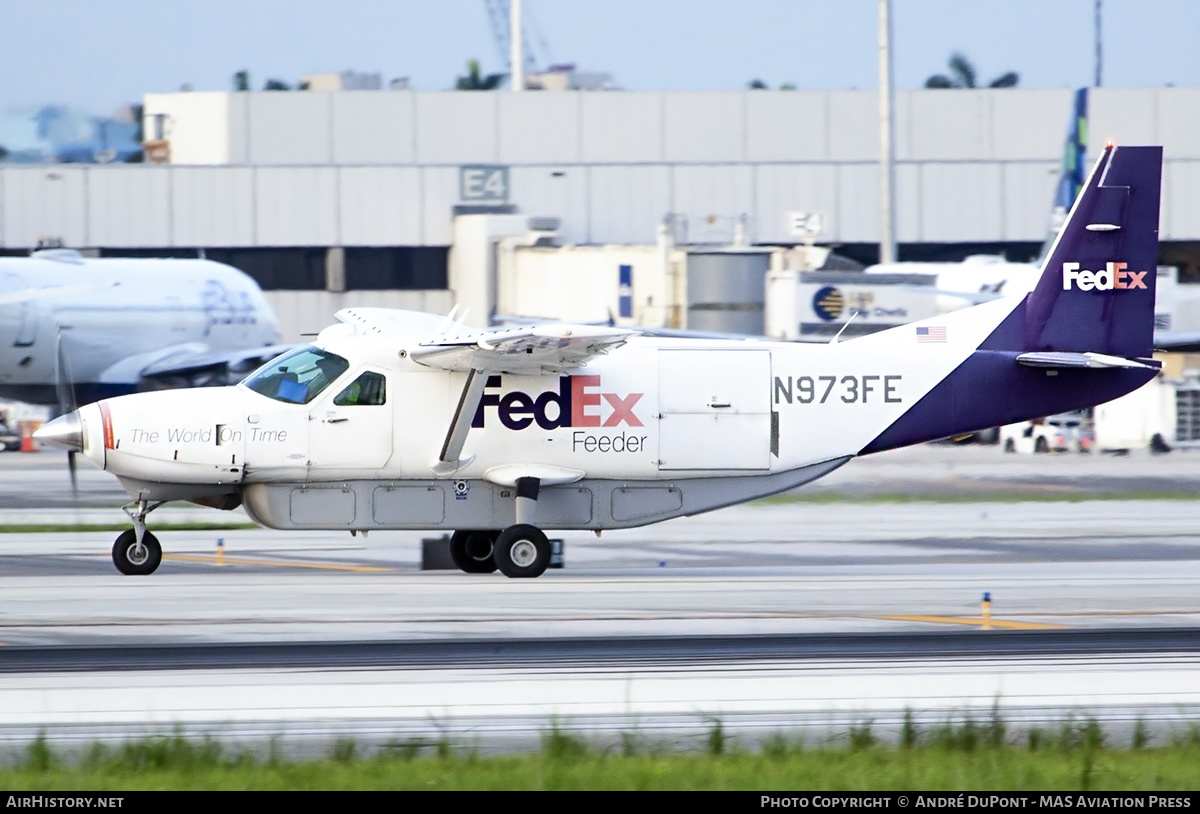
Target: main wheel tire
x=522 y=551
x=1010 y=445
x=1042 y=445
x=472 y=551
x=132 y=561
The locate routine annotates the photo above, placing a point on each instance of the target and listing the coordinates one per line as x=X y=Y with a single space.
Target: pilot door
x=350 y=426
x=714 y=409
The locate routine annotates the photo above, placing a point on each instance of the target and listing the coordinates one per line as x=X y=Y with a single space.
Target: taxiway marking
x=273 y=563
x=980 y=622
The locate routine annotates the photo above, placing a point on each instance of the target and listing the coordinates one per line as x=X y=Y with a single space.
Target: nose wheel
x=136 y=551
x=136 y=558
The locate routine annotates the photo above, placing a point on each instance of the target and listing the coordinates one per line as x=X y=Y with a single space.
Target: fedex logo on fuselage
x=578 y=402
x=1112 y=276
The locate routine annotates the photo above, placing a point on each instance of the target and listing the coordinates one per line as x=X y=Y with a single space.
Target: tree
x=276 y=84
x=241 y=80
x=962 y=75
x=474 y=80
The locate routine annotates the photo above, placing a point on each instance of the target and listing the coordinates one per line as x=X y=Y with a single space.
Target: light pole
x=887 y=153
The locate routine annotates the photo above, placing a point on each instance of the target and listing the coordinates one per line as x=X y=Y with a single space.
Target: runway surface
x=810 y=616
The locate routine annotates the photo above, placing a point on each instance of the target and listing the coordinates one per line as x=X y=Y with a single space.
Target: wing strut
x=449 y=461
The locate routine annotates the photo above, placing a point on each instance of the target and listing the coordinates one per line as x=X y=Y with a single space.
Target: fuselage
x=105 y=320
x=745 y=417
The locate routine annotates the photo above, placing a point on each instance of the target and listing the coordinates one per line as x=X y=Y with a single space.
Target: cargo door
x=714 y=409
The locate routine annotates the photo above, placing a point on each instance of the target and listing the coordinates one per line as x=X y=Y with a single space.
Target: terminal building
x=416 y=199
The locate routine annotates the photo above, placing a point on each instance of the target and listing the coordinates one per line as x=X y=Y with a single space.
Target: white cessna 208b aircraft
x=391 y=420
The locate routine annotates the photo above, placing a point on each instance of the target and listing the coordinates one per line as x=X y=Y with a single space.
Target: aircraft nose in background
x=66 y=432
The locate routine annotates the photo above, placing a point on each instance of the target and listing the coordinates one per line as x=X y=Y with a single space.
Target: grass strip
x=1074 y=756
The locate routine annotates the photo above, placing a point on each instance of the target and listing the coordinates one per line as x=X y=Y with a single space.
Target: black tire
x=472 y=551
x=522 y=551
x=1042 y=445
x=1010 y=445
x=132 y=563
x=990 y=436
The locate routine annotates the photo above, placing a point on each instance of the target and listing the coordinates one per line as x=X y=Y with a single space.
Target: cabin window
x=369 y=388
x=297 y=377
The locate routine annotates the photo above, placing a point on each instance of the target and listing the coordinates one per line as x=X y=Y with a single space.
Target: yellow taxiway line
x=975 y=621
x=271 y=563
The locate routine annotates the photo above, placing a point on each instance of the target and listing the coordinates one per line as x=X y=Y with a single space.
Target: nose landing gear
x=133 y=557
x=137 y=552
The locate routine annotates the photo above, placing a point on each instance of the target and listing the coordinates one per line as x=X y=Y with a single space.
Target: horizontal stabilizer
x=1063 y=359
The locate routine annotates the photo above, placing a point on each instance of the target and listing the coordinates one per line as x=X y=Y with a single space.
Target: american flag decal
x=936 y=333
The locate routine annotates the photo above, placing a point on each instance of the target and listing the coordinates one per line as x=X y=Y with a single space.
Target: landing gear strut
x=521 y=550
x=137 y=551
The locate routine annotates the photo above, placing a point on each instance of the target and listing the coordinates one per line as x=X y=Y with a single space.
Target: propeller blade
x=63 y=382
x=65 y=390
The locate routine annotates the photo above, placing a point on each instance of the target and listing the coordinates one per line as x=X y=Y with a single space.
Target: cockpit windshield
x=297 y=377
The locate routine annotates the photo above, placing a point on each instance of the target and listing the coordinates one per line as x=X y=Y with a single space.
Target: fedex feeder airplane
x=397 y=420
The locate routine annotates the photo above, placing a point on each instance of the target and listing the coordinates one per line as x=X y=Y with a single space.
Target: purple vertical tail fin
x=1096 y=292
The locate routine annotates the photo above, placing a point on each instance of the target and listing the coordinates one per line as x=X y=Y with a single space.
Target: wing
x=532 y=350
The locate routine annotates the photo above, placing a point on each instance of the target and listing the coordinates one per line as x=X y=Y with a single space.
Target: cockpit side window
x=369 y=388
x=297 y=377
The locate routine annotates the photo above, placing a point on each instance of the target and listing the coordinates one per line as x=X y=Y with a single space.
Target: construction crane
x=498 y=12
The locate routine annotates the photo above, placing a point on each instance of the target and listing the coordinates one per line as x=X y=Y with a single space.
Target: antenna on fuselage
x=449 y=323
x=845 y=325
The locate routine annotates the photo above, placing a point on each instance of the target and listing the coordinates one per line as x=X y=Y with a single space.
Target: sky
x=101 y=54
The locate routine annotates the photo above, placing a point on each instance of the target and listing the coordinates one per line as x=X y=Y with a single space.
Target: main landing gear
x=519 y=551
x=137 y=551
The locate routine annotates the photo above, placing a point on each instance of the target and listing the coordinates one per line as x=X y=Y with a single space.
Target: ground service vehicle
x=1068 y=432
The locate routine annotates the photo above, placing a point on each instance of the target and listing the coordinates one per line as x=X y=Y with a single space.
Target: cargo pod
x=714 y=409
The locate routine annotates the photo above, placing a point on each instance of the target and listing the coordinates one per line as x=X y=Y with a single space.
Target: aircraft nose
x=65 y=432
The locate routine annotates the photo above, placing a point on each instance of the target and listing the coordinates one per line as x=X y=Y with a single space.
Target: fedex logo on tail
x=1112 y=276
x=579 y=401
